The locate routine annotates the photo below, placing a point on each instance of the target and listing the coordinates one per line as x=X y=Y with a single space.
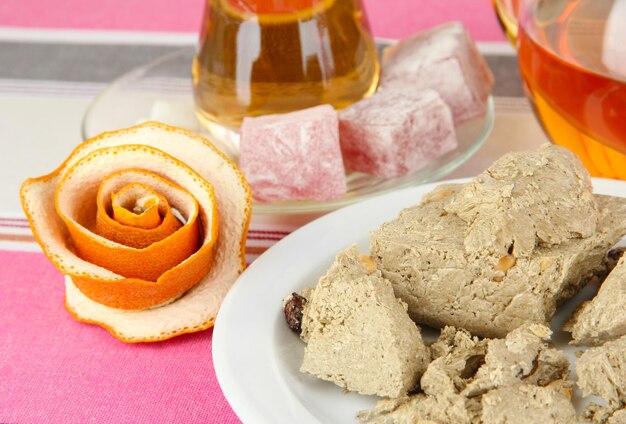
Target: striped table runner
x=15 y=235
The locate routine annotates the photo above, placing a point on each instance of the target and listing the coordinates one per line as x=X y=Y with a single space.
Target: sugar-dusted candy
x=445 y=59
x=294 y=155
x=393 y=133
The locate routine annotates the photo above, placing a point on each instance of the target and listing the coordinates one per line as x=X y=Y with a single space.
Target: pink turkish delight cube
x=393 y=133
x=293 y=155
x=444 y=59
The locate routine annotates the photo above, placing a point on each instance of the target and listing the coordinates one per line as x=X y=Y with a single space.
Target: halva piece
x=424 y=253
x=618 y=417
x=527 y=404
x=604 y=317
x=527 y=199
x=602 y=372
x=598 y=414
x=358 y=334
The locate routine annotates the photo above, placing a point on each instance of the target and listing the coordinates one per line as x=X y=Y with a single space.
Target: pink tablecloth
x=388 y=18
x=54 y=369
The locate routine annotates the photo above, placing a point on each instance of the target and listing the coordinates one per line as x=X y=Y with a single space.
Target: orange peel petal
x=109 y=228
x=195 y=310
x=137 y=205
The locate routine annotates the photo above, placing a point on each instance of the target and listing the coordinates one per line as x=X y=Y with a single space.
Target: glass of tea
x=258 y=57
x=507 y=12
x=572 y=56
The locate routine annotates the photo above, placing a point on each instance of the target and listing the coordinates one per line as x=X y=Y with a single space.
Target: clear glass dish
x=162 y=91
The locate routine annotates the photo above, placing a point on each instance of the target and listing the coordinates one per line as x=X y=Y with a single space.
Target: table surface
x=54 y=58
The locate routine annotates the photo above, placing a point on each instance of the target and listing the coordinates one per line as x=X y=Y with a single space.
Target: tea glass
x=259 y=57
x=572 y=57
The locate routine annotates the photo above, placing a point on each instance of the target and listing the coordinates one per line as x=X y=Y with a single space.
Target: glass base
x=162 y=91
x=226 y=139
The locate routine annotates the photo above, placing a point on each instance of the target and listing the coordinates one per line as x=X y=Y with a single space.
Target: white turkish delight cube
x=445 y=59
x=294 y=155
x=393 y=133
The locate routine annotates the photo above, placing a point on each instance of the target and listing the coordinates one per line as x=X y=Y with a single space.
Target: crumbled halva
x=524 y=355
x=527 y=404
x=465 y=380
x=442 y=383
x=602 y=372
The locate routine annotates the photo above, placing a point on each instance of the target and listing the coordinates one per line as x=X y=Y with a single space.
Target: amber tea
x=259 y=57
x=572 y=56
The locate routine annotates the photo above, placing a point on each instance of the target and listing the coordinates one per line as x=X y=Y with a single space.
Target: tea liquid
x=572 y=57
x=260 y=57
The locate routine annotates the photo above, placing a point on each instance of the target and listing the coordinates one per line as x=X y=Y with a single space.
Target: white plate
x=257 y=357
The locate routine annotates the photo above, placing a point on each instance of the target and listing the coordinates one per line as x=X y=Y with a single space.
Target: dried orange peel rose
x=148 y=224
